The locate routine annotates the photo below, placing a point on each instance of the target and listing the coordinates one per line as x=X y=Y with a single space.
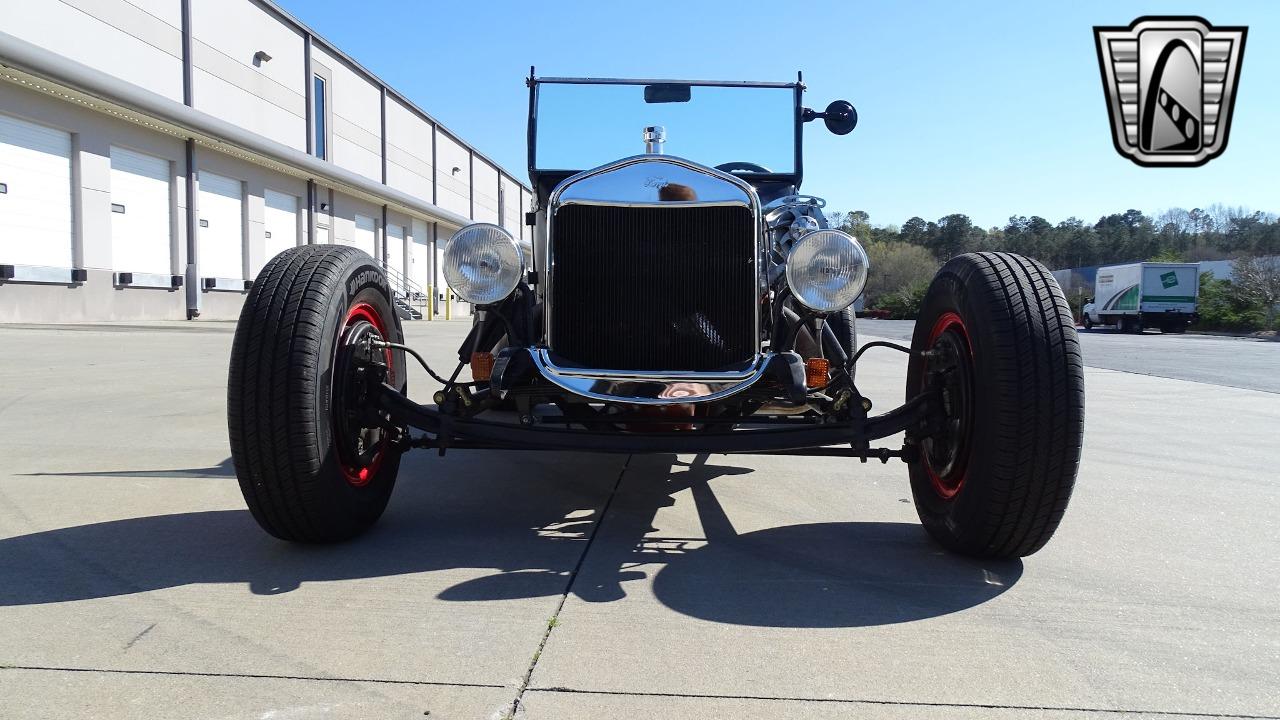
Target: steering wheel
x=741 y=166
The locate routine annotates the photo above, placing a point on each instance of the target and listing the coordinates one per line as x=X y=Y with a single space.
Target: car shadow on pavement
x=531 y=528
x=826 y=575
x=838 y=574
x=224 y=469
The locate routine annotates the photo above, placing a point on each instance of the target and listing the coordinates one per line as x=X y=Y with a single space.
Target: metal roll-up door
x=395 y=249
x=365 y=235
x=221 y=250
x=420 y=258
x=35 y=194
x=280 y=220
x=140 y=213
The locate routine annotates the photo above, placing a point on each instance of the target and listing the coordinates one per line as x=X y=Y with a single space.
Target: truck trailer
x=1137 y=296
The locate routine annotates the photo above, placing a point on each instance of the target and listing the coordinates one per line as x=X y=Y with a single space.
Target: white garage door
x=221 y=250
x=281 y=222
x=364 y=238
x=441 y=286
x=420 y=261
x=458 y=308
x=395 y=249
x=140 y=221
x=35 y=194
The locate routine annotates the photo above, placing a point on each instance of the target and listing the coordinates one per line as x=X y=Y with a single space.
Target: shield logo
x=1170 y=84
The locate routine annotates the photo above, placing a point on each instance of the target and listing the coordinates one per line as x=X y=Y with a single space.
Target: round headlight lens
x=482 y=263
x=827 y=270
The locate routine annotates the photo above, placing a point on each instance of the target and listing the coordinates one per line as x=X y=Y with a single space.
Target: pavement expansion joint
x=903 y=703
x=1219 y=383
x=247 y=676
x=568 y=587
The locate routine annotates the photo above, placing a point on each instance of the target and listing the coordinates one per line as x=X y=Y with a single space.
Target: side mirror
x=666 y=93
x=840 y=117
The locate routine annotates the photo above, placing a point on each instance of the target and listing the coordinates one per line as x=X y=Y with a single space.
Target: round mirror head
x=841 y=117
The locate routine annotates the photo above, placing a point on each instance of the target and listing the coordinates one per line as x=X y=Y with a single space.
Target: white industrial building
x=154 y=154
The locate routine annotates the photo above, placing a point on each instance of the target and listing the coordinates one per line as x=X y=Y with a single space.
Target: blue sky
x=986 y=108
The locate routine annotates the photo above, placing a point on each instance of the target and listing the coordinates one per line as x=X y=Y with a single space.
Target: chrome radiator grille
x=653 y=288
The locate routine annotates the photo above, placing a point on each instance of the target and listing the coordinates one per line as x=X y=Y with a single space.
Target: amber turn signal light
x=481 y=366
x=815 y=372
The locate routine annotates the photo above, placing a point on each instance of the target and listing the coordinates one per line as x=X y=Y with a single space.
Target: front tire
x=996 y=480
x=844 y=325
x=307 y=471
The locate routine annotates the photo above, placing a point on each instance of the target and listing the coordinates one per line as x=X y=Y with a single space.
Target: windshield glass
x=581 y=126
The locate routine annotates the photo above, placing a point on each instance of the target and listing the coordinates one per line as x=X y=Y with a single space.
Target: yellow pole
x=448 y=297
x=431 y=303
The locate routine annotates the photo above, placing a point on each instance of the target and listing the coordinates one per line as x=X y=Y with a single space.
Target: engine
x=788 y=219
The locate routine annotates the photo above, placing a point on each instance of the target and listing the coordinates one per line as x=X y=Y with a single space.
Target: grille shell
x=653 y=288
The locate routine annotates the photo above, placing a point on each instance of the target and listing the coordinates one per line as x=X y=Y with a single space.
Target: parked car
x=692 y=301
x=1143 y=295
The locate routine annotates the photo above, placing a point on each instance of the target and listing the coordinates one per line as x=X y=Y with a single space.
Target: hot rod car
x=685 y=302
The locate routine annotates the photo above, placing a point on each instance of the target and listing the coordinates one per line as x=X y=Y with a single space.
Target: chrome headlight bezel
x=483 y=263
x=827 y=270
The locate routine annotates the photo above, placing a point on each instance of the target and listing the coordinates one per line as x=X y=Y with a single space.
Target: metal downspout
x=191 y=274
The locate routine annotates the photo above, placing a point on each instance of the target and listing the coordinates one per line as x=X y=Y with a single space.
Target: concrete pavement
x=1251 y=363
x=133 y=583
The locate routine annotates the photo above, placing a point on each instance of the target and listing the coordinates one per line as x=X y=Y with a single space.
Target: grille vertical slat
x=653 y=288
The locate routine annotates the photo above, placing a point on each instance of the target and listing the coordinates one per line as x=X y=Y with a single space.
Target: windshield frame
x=539 y=176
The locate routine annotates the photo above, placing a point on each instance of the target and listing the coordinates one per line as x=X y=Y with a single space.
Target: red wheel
x=946 y=455
x=360 y=449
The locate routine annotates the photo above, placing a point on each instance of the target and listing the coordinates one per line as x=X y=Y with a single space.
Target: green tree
x=1031 y=237
x=1168 y=256
x=1258 y=280
x=1076 y=244
x=896 y=265
x=955 y=234
x=1223 y=307
x=857 y=224
x=916 y=231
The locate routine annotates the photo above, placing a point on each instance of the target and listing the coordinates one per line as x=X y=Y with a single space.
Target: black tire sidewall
x=280 y=394
x=1026 y=415
x=844 y=325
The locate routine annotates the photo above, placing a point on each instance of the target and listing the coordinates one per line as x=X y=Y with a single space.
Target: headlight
x=482 y=263
x=827 y=270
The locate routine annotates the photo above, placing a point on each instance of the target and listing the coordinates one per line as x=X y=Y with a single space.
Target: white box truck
x=1144 y=295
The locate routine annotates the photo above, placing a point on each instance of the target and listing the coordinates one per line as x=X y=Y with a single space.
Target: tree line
x=1215 y=233
x=904 y=258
